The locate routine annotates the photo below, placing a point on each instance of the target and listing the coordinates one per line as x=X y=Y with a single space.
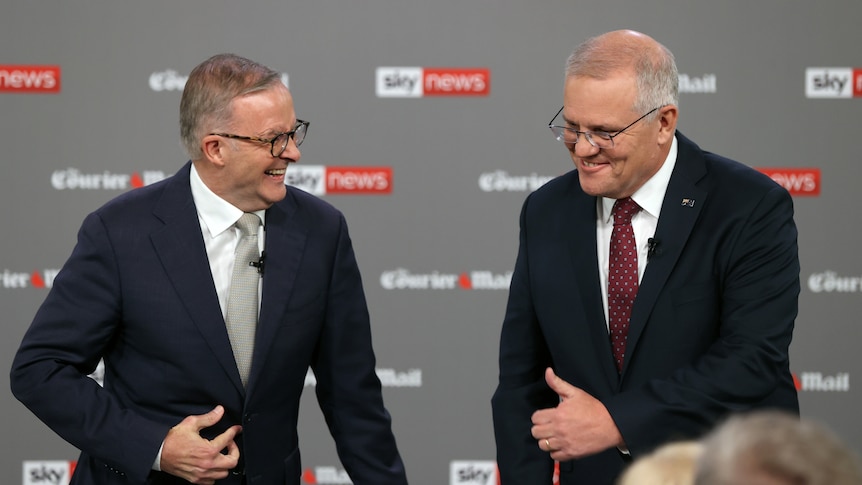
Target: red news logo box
x=29 y=79
x=359 y=180
x=797 y=181
x=456 y=81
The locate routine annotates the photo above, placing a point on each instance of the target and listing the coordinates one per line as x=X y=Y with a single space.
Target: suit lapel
x=285 y=243
x=581 y=243
x=680 y=209
x=180 y=247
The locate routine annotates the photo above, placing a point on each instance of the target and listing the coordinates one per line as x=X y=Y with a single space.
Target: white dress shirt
x=649 y=197
x=217 y=217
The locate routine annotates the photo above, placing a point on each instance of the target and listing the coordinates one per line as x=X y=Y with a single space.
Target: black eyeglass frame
x=558 y=131
x=300 y=124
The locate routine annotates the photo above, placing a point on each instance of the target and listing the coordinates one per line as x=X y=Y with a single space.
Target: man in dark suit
x=714 y=279
x=148 y=290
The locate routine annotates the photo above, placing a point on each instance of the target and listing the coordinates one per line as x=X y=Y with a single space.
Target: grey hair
x=209 y=90
x=778 y=445
x=655 y=70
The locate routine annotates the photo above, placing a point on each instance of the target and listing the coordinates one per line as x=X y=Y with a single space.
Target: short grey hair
x=655 y=70
x=212 y=85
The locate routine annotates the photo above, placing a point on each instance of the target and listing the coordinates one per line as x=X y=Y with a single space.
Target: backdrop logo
x=326 y=475
x=832 y=282
x=819 y=382
x=323 y=180
x=388 y=378
x=417 y=82
x=698 y=84
x=502 y=181
x=404 y=279
x=170 y=80
x=29 y=79
x=74 y=179
x=37 y=279
x=54 y=472
x=473 y=473
x=833 y=82
x=797 y=181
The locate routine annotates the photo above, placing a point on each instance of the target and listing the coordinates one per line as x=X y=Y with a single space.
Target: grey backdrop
x=461 y=167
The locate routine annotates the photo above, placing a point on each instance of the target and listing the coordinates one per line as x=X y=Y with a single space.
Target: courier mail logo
x=323 y=180
x=797 y=181
x=833 y=82
x=418 y=82
x=29 y=79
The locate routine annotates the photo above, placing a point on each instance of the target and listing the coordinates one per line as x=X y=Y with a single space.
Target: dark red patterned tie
x=622 y=276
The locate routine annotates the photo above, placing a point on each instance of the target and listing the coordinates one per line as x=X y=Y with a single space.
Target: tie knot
x=624 y=209
x=248 y=224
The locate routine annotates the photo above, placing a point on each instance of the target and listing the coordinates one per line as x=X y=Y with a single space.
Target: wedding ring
x=548 y=444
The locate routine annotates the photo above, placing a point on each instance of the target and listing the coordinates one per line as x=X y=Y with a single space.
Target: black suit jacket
x=138 y=292
x=709 y=331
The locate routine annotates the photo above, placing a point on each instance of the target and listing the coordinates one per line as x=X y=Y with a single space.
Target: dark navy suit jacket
x=709 y=331
x=138 y=292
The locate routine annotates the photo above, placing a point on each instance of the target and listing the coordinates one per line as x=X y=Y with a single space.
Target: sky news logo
x=797 y=181
x=324 y=180
x=53 y=472
x=418 y=82
x=463 y=472
x=833 y=82
x=29 y=79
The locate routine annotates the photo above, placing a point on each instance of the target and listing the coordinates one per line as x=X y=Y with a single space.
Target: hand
x=188 y=455
x=579 y=426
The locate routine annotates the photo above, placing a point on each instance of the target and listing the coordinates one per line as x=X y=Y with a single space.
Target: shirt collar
x=217 y=214
x=651 y=194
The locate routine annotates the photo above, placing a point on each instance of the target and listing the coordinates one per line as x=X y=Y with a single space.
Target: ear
x=667 y=117
x=214 y=149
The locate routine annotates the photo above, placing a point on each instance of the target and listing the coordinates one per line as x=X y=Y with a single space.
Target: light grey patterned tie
x=242 y=303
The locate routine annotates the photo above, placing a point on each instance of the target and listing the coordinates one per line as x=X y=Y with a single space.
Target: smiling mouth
x=276 y=172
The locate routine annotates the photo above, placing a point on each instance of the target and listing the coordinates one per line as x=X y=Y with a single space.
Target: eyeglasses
x=278 y=142
x=598 y=139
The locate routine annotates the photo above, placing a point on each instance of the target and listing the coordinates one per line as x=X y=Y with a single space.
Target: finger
x=210 y=418
x=224 y=440
x=232 y=450
x=542 y=416
x=558 y=385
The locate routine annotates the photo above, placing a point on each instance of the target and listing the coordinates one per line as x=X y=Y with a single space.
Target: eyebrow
x=602 y=128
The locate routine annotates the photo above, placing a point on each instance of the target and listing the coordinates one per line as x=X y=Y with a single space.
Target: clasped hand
x=190 y=456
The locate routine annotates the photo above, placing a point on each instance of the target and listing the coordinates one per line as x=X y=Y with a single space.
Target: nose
x=584 y=148
x=291 y=151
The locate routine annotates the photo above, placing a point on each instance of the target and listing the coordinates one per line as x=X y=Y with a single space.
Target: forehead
x=270 y=109
x=598 y=100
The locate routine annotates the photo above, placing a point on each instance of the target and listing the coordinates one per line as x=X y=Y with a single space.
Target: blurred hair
x=212 y=85
x=777 y=448
x=670 y=464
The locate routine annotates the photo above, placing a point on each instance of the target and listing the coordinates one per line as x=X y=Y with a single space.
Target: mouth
x=591 y=165
x=276 y=172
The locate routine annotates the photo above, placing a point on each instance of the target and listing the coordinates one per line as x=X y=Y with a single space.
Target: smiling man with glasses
x=208 y=296
x=656 y=284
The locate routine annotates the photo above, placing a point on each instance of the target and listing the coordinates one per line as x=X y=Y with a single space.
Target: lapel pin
x=688 y=202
